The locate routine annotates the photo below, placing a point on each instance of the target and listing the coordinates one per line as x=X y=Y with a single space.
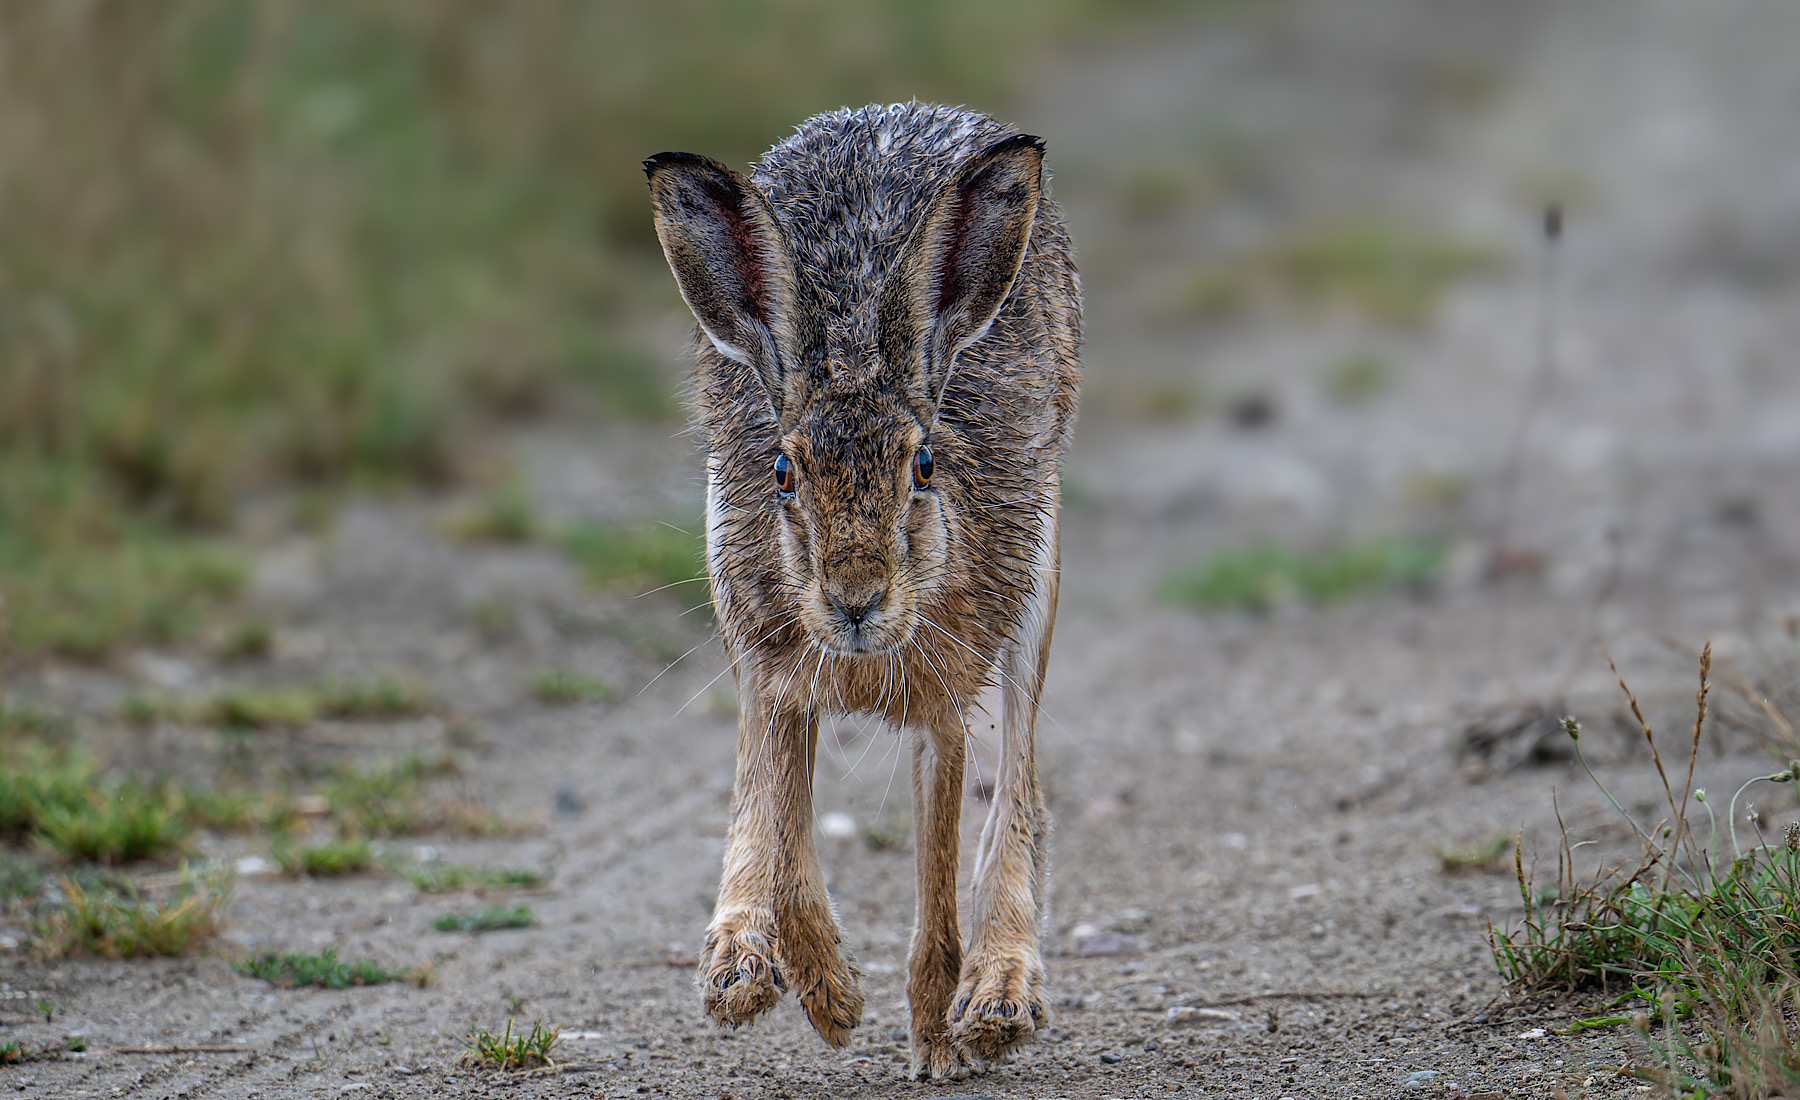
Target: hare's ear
x=732 y=265
x=959 y=264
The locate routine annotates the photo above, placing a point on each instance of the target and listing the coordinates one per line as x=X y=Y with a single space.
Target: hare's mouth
x=861 y=629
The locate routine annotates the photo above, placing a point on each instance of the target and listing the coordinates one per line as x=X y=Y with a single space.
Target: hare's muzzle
x=854 y=612
x=856 y=609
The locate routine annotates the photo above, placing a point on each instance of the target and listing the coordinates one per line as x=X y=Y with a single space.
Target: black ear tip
x=670 y=160
x=661 y=159
x=1017 y=143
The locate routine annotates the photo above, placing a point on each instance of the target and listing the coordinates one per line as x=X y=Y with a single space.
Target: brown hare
x=888 y=345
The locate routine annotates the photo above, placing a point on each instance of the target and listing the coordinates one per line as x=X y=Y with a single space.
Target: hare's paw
x=736 y=976
x=834 y=1000
x=941 y=1058
x=999 y=1003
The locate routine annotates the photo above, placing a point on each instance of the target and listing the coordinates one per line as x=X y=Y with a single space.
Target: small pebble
x=1109 y=1057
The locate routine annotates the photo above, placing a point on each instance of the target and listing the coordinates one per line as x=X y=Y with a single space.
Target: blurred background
x=260 y=255
x=264 y=257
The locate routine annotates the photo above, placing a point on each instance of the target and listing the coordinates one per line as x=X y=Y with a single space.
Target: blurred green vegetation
x=491 y=919
x=1387 y=272
x=636 y=556
x=332 y=859
x=561 y=687
x=1357 y=379
x=299 y=968
x=285 y=245
x=1267 y=575
x=440 y=878
x=270 y=707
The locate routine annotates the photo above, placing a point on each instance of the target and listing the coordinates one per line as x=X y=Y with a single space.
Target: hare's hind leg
x=936 y=957
x=773 y=927
x=1001 y=999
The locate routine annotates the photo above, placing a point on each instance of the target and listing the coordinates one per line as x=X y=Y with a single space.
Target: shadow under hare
x=889 y=332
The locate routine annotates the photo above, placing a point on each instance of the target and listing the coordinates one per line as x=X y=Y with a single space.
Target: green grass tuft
x=35 y=780
x=230 y=809
x=1358 y=379
x=492 y=919
x=1387 y=272
x=560 y=687
x=13 y=1053
x=298 y=968
x=252 y=639
x=380 y=800
x=638 y=556
x=286 y=707
x=1267 y=575
x=329 y=860
x=506 y=1050
x=1699 y=947
x=882 y=838
x=504 y=515
x=261 y=708
x=122 y=824
x=1474 y=857
x=125 y=924
x=443 y=878
x=381 y=699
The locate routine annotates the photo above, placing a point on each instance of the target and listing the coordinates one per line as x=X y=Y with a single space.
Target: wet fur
x=833 y=289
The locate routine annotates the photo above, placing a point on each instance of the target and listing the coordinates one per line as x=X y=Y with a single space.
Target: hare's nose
x=854 y=610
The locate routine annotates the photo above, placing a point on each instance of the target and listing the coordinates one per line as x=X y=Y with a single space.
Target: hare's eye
x=922 y=468
x=784 y=475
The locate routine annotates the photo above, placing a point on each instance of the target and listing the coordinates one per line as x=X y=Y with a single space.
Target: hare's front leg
x=773 y=927
x=820 y=970
x=936 y=958
x=738 y=977
x=1002 y=999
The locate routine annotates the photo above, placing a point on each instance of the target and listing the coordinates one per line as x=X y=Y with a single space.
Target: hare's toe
x=941 y=1058
x=736 y=977
x=999 y=1004
x=834 y=1003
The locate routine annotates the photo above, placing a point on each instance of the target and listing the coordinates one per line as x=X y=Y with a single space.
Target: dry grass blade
x=1700 y=695
x=1643 y=724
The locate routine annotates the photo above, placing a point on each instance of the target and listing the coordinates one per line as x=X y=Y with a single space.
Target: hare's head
x=865 y=482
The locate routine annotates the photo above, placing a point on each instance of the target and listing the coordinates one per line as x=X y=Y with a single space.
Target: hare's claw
x=941 y=1058
x=834 y=1003
x=736 y=977
x=1000 y=1003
